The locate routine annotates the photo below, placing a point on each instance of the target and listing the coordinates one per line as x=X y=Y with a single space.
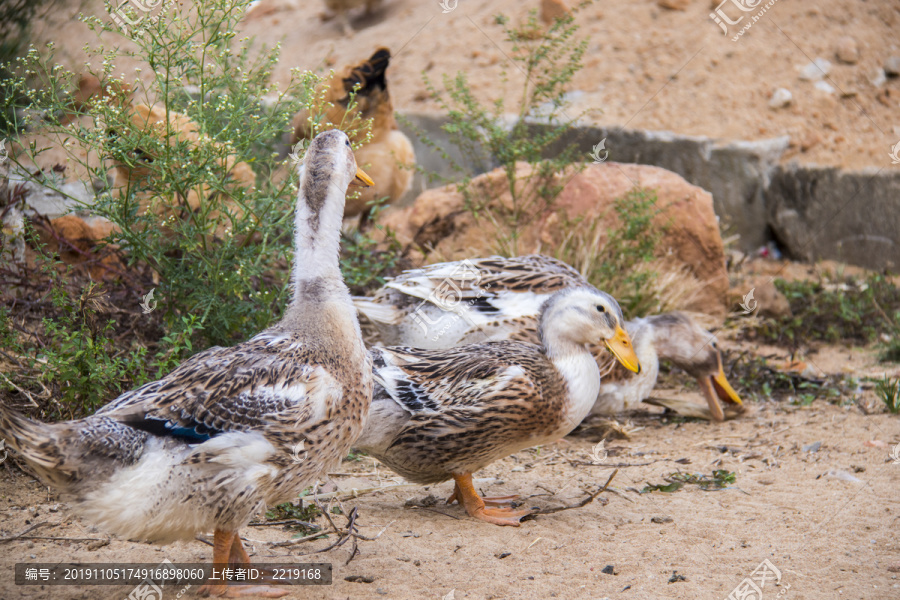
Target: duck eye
x=347 y=143
x=601 y=308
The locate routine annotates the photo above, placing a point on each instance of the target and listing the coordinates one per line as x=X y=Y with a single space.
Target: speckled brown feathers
x=489 y=399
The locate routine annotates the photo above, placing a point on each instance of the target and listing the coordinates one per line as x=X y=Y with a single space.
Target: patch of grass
x=302 y=517
x=838 y=310
x=753 y=377
x=888 y=391
x=81 y=359
x=355 y=455
x=719 y=479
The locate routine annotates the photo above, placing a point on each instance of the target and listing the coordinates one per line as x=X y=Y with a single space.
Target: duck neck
x=316 y=275
x=579 y=370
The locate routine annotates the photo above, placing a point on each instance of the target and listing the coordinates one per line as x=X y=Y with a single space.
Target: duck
x=207 y=446
x=428 y=307
x=675 y=337
x=388 y=156
x=497 y=298
x=438 y=415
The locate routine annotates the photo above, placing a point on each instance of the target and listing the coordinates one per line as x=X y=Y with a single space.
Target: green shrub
x=548 y=58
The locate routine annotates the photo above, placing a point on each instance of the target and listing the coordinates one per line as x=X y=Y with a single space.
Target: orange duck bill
x=716 y=387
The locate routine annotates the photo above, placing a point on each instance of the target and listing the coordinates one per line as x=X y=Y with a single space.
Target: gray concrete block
x=826 y=213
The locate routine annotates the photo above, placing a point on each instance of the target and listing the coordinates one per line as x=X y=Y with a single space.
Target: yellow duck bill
x=717 y=385
x=363 y=179
x=622 y=348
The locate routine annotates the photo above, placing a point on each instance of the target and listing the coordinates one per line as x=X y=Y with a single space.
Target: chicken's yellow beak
x=362 y=179
x=622 y=348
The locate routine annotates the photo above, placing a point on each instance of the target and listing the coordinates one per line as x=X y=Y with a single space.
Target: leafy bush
x=181 y=218
x=548 y=59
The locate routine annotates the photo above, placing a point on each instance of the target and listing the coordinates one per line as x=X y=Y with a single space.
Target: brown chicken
x=388 y=157
x=152 y=120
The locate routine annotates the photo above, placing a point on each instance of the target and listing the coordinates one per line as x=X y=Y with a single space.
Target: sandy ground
x=827 y=519
x=646 y=67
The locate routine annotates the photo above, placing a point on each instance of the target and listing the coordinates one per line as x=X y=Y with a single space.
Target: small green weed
x=297 y=517
x=753 y=377
x=81 y=357
x=888 y=390
x=617 y=260
x=719 y=479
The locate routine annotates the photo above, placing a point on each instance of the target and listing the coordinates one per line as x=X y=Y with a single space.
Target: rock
x=824 y=86
x=821 y=213
x=780 y=98
x=674 y=4
x=815 y=70
x=847 y=50
x=47 y=201
x=892 y=66
x=877 y=77
x=554 y=9
x=810 y=139
x=439 y=222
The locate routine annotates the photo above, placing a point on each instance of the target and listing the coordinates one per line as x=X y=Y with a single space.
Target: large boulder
x=439 y=225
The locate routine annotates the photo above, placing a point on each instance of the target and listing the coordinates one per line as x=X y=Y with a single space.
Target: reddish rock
x=439 y=224
x=847 y=50
x=552 y=10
